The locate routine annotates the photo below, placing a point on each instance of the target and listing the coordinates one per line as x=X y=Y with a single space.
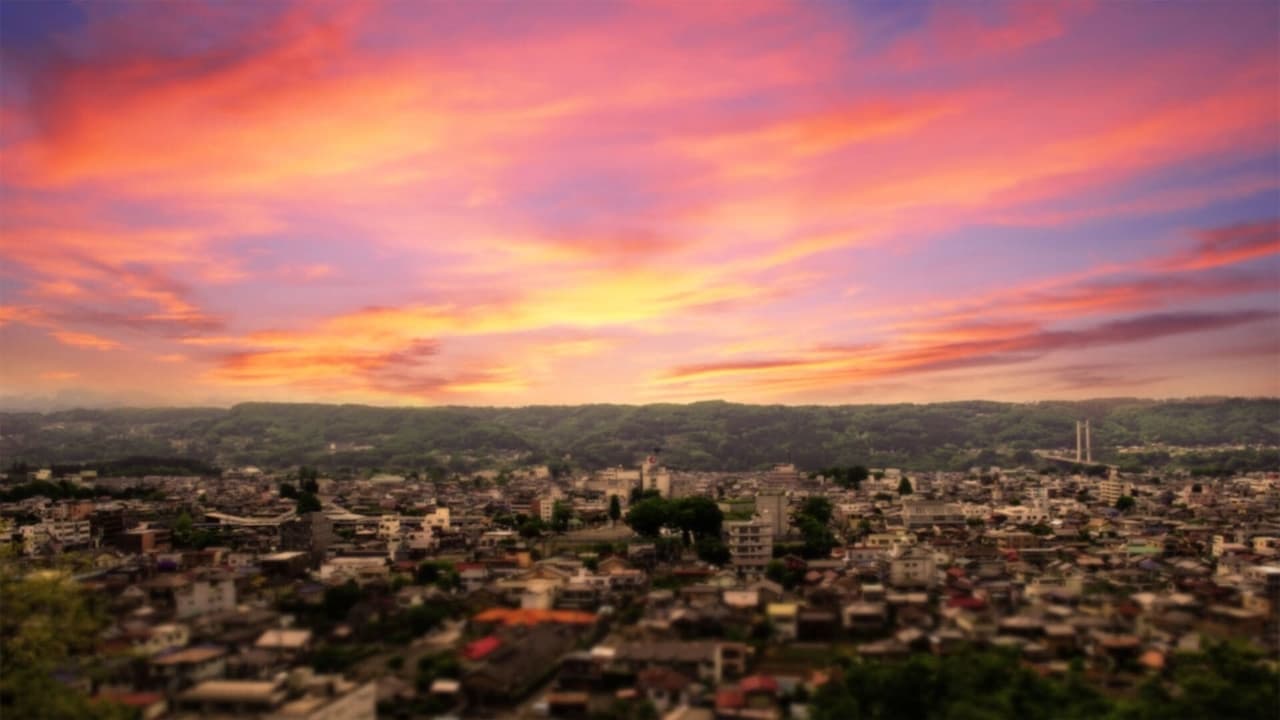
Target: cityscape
x=1079 y=583
x=639 y=360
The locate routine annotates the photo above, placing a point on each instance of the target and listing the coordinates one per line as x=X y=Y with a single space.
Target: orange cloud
x=59 y=375
x=85 y=340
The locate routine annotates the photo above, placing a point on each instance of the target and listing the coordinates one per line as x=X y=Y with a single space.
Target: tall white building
x=750 y=544
x=655 y=477
x=1111 y=490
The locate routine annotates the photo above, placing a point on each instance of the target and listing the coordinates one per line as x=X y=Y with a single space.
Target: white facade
x=65 y=532
x=927 y=513
x=912 y=567
x=750 y=543
x=1109 y=491
x=205 y=596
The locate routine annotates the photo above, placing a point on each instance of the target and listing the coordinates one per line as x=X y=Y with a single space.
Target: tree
x=1125 y=503
x=648 y=516
x=615 y=508
x=308 y=503
x=818 y=508
x=339 y=600
x=561 y=514
x=712 y=550
x=309 y=477
x=904 y=486
x=699 y=516
x=287 y=490
x=48 y=624
x=532 y=528
x=183 y=530
x=818 y=538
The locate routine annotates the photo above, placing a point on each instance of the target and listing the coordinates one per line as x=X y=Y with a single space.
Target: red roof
x=140 y=700
x=759 y=683
x=729 y=699
x=967 y=603
x=480 y=649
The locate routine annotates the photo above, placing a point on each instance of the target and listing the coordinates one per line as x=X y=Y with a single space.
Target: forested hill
x=709 y=435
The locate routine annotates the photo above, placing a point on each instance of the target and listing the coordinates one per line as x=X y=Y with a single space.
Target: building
x=64 y=533
x=912 y=566
x=311 y=533
x=142 y=541
x=780 y=479
x=654 y=477
x=202 y=597
x=301 y=696
x=750 y=544
x=774 y=510
x=928 y=513
x=285 y=565
x=1111 y=490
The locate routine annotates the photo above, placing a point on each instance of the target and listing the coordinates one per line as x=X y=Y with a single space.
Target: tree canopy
x=1223 y=682
x=693 y=517
x=47 y=624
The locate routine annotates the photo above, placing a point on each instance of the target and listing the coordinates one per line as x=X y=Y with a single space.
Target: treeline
x=63 y=490
x=1223 y=682
x=133 y=466
x=699 y=436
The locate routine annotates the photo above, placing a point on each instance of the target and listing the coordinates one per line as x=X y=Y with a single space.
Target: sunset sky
x=508 y=203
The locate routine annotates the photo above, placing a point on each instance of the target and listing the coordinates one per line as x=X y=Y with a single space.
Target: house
x=179 y=669
x=202 y=597
x=664 y=687
x=284 y=643
x=299 y=696
x=911 y=567
x=704 y=660
x=865 y=617
x=783 y=617
x=504 y=669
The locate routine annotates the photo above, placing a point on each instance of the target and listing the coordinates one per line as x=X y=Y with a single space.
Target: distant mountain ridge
x=697 y=436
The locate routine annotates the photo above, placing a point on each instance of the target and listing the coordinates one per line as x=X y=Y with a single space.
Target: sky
x=560 y=202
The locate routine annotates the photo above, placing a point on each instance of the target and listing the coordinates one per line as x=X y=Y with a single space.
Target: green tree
x=818 y=538
x=615 y=508
x=308 y=502
x=339 y=600
x=287 y=490
x=711 y=549
x=1125 y=503
x=817 y=507
x=561 y=514
x=647 y=517
x=183 y=530
x=532 y=528
x=904 y=486
x=47 y=624
x=699 y=516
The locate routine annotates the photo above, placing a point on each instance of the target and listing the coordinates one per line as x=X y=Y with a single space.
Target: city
x=549 y=590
